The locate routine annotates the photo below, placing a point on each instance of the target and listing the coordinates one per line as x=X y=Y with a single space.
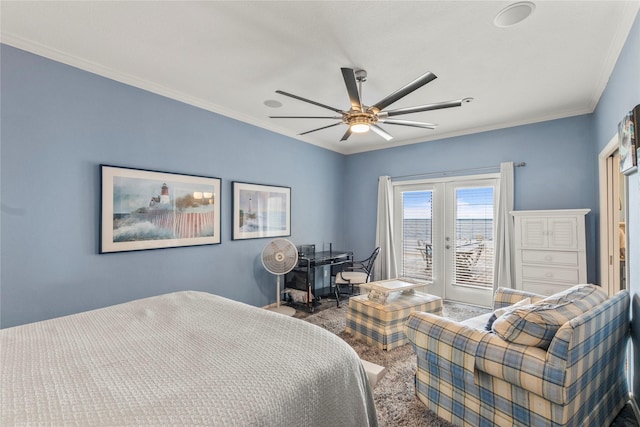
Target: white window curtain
x=385 y=266
x=503 y=268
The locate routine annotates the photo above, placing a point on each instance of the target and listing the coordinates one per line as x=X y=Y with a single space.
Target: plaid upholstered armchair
x=558 y=361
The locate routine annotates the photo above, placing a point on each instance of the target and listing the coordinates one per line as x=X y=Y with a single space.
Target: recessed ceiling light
x=272 y=103
x=514 y=13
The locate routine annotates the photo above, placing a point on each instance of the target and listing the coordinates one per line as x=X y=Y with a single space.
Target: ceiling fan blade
x=427 y=107
x=349 y=76
x=346 y=135
x=299 y=98
x=306 y=117
x=403 y=91
x=377 y=129
x=409 y=123
x=323 y=127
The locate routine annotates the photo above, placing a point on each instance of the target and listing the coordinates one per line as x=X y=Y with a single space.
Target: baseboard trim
x=634 y=406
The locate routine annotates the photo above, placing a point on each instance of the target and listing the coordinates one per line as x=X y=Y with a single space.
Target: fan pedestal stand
x=279 y=257
x=282 y=309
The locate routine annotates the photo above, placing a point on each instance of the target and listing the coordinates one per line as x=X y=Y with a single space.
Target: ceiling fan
x=361 y=118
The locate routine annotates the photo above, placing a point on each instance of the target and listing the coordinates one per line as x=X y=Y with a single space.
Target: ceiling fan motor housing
x=358 y=118
x=361 y=75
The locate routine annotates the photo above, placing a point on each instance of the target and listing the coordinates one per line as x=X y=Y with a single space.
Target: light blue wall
x=621 y=95
x=559 y=173
x=59 y=123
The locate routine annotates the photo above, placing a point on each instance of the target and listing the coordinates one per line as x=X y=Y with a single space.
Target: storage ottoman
x=383 y=324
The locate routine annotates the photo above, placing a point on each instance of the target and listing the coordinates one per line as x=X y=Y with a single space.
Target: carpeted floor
x=394 y=394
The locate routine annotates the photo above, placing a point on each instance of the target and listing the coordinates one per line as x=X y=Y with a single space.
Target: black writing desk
x=302 y=277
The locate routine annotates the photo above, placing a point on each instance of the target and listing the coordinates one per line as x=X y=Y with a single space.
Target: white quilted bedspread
x=186 y=358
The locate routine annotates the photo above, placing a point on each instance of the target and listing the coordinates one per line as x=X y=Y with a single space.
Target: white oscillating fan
x=279 y=257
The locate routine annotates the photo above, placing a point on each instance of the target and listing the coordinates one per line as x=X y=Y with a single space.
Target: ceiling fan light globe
x=359 y=128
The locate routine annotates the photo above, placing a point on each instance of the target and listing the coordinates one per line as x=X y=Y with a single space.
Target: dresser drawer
x=544 y=288
x=550 y=258
x=550 y=274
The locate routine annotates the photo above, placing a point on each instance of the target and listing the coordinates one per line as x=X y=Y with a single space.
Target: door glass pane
x=417 y=248
x=474 y=236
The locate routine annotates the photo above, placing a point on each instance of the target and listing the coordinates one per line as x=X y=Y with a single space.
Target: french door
x=444 y=236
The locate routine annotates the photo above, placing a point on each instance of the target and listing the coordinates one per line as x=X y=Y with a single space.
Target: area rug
x=394 y=394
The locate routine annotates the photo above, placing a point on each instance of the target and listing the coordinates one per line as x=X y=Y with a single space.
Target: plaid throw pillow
x=499 y=312
x=537 y=324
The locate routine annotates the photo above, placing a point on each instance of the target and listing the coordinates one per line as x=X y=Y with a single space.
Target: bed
x=185 y=358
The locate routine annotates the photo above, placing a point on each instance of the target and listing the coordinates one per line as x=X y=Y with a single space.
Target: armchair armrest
x=524 y=366
x=445 y=343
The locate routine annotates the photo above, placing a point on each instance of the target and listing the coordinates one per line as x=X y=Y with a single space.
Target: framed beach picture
x=628 y=132
x=145 y=209
x=260 y=211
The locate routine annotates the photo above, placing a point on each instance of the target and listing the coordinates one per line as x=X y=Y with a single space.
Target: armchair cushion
x=355 y=277
x=536 y=324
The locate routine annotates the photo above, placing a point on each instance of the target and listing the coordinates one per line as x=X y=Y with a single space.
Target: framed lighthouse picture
x=144 y=209
x=260 y=211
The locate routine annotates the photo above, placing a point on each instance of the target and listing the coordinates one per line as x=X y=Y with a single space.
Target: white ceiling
x=230 y=57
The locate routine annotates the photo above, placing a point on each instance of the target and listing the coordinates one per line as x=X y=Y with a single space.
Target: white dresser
x=550 y=250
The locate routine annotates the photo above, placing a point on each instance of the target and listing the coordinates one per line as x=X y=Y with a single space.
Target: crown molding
x=613 y=53
x=128 y=79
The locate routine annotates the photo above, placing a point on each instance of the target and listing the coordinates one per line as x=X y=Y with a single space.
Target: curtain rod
x=517 y=165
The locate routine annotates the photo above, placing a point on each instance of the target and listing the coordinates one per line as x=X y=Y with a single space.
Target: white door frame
x=607 y=246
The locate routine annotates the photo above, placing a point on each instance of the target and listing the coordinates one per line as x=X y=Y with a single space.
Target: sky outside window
x=471 y=203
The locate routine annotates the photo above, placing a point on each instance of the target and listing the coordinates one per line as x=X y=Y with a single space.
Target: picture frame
x=260 y=211
x=145 y=209
x=628 y=136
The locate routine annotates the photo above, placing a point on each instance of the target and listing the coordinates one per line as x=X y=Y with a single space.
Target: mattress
x=185 y=358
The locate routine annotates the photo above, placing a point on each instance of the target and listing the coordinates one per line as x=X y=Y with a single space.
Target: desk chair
x=359 y=273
